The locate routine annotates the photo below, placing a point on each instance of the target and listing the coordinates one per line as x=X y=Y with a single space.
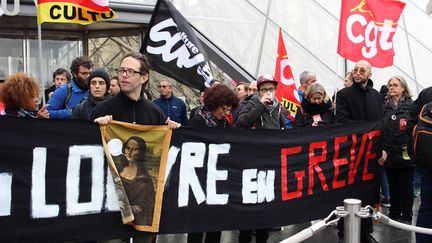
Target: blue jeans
x=425 y=211
x=384 y=183
x=416 y=179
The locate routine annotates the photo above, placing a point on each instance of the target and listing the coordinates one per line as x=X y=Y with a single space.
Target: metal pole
x=42 y=78
x=351 y=221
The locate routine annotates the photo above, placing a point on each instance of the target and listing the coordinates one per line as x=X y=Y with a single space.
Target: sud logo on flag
x=286 y=91
x=366 y=30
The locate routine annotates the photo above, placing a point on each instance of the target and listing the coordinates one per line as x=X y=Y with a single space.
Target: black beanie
x=99 y=72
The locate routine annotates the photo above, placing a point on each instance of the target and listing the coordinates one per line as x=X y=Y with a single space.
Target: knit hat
x=99 y=72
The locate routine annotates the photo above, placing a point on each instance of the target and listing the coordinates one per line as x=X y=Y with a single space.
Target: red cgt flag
x=286 y=90
x=366 y=30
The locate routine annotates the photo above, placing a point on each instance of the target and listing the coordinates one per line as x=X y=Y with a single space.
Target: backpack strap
x=69 y=94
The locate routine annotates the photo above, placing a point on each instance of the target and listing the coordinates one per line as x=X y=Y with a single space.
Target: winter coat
x=122 y=108
x=358 y=103
x=423 y=98
x=174 y=108
x=254 y=114
x=56 y=107
x=305 y=115
x=395 y=136
x=85 y=109
x=204 y=118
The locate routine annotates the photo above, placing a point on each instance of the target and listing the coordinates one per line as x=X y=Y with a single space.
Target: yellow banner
x=65 y=12
x=137 y=156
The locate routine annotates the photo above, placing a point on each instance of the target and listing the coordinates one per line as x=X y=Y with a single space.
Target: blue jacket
x=56 y=102
x=174 y=108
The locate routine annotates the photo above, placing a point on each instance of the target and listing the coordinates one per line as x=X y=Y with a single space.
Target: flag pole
x=41 y=80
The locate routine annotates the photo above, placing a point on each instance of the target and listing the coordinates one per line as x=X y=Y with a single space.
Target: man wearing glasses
x=64 y=98
x=130 y=105
x=172 y=107
x=262 y=110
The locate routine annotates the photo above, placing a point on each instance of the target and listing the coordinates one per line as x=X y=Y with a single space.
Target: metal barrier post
x=352 y=221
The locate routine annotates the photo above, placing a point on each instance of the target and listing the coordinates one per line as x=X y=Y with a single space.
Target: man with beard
x=64 y=98
x=360 y=102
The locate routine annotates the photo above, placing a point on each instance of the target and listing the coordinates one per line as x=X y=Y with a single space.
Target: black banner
x=225 y=179
x=174 y=50
x=54 y=182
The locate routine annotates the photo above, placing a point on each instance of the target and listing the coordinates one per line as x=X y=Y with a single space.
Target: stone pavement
x=382 y=233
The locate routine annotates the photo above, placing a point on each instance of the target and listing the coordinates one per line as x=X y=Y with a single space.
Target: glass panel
x=55 y=54
x=11 y=56
x=300 y=60
x=402 y=57
x=107 y=51
x=421 y=4
x=418 y=24
x=316 y=30
x=421 y=59
x=333 y=7
x=234 y=26
x=260 y=4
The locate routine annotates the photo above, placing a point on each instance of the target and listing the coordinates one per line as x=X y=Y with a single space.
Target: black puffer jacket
x=304 y=116
x=358 y=103
x=395 y=133
x=424 y=97
x=84 y=110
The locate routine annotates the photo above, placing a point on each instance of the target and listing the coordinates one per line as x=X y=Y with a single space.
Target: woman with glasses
x=316 y=108
x=219 y=100
x=399 y=167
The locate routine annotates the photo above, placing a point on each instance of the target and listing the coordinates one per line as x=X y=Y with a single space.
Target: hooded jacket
x=254 y=114
x=358 y=103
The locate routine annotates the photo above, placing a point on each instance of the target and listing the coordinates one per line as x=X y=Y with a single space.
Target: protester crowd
x=89 y=93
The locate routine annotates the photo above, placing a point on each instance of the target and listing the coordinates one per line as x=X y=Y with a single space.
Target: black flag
x=174 y=50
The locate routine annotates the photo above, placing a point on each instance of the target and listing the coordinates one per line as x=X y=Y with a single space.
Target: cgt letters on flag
x=366 y=30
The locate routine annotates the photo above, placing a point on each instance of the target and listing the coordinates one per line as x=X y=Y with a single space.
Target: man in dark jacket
x=130 y=105
x=425 y=211
x=172 y=107
x=360 y=102
x=60 y=76
x=262 y=110
x=98 y=83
